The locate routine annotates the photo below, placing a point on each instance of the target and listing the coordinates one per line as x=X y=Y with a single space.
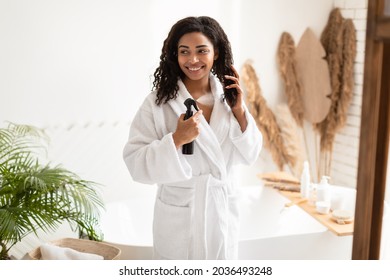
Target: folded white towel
x=52 y=252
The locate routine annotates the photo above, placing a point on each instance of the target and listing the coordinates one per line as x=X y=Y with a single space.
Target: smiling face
x=196 y=56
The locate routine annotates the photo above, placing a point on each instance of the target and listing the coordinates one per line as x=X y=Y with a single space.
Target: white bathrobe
x=195 y=215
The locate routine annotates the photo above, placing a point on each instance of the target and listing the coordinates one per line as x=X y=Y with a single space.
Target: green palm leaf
x=35 y=196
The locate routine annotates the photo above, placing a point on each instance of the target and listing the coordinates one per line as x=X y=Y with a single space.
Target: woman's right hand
x=187 y=130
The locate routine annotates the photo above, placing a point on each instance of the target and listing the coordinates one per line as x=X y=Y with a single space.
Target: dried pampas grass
x=349 y=55
x=339 y=41
x=331 y=35
x=288 y=71
x=331 y=39
x=265 y=119
x=291 y=138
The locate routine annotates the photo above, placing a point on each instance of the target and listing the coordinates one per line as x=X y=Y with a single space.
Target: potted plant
x=38 y=196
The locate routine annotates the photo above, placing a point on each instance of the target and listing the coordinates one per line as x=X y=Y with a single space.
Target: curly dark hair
x=168 y=72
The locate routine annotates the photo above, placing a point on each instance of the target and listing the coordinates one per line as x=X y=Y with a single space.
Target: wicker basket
x=108 y=252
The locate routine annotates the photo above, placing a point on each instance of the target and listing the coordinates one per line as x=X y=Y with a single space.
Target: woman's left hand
x=238 y=109
x=236 y=85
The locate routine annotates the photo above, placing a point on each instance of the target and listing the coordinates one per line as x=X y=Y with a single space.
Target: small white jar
x=323 y=207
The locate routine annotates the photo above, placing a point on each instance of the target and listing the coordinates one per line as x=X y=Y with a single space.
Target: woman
x=195 y=215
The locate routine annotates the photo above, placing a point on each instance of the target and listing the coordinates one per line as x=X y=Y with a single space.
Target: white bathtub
x=268 y=229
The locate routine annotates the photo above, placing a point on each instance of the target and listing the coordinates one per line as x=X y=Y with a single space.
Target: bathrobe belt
x=203 y=185
x=201 y=215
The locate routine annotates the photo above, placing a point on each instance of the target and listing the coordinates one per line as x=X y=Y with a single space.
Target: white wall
x=262 y=23
x=92 y=60
x=81 y=60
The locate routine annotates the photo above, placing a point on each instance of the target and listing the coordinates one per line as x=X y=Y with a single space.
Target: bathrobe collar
x=213 y=134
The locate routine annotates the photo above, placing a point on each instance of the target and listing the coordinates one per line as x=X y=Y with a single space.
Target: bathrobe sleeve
x=247 y=143
x=150 y=158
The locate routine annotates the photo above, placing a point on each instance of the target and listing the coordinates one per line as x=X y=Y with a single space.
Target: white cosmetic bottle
x=305 y=180
x=324 y=190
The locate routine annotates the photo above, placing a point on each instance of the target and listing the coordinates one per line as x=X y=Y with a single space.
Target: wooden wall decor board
x=313 y=73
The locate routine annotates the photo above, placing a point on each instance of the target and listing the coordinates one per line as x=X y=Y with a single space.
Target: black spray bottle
x=188 y=149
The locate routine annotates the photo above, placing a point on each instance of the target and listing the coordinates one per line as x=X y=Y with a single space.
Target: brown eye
x=204 y=51
x=183 y=52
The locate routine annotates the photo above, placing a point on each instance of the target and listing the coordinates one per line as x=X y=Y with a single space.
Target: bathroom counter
x=325 y=219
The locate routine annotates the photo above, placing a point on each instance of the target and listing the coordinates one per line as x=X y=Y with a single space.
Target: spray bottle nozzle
x=190 y=102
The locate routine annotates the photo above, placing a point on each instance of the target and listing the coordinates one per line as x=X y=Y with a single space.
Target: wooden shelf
x=325 y=219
